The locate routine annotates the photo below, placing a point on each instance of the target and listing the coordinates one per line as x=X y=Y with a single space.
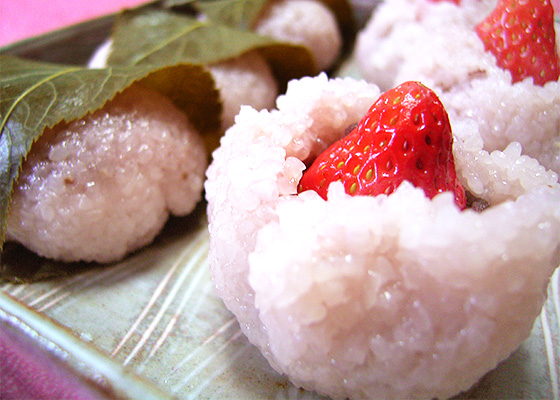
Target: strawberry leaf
x=36 y=95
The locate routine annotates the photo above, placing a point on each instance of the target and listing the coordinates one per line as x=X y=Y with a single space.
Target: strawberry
x=520 y=34
x=405 y=135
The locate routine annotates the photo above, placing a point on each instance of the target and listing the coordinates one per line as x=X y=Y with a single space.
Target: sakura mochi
x=391 y=296
x=248 y=78
x=103 y=186
x=510 y=88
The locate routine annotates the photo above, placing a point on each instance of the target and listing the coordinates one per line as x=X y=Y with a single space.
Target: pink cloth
x=28 y=372
x=21 y=19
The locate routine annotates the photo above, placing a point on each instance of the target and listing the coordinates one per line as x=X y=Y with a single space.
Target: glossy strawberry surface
x=521 y=35
x=405 y=135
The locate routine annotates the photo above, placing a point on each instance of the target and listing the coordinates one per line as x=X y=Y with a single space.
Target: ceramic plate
x=151 y=326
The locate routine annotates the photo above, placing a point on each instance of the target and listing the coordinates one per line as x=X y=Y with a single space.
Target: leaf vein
x=30 y=89
x=180 y=34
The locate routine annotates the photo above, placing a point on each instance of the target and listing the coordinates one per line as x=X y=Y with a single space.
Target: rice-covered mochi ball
x=430 y=41
x=436 y=43
x=244 y=80
x=100 y=187
x=307 y=22
x=392 y=296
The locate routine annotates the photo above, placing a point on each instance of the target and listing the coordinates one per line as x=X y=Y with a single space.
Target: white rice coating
x=245 y=80
x=100 y=187
x=101 y=54
x=419 y=39
x=436 y=44
x=306 y=22
x=392 y=296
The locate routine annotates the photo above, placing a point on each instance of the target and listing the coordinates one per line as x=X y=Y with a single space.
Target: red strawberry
x=520 y=34
x=405 y=135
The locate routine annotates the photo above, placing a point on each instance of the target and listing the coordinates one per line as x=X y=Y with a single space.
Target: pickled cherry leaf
x=240 y=14
x=154 y=36
x=243 y=14
x=37 y=95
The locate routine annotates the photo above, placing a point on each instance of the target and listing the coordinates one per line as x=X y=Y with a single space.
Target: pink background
x=20 y=19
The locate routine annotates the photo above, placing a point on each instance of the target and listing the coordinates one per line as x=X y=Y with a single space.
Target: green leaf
x=36 y=95
x=153 y=36
x=243 y=14
x=240 y=14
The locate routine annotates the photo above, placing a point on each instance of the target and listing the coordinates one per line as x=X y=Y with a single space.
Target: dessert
x=440 y=44
x=248 y=78
x=387 y=296
x=100 y=187
x=404 y=136
x=307 y=22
